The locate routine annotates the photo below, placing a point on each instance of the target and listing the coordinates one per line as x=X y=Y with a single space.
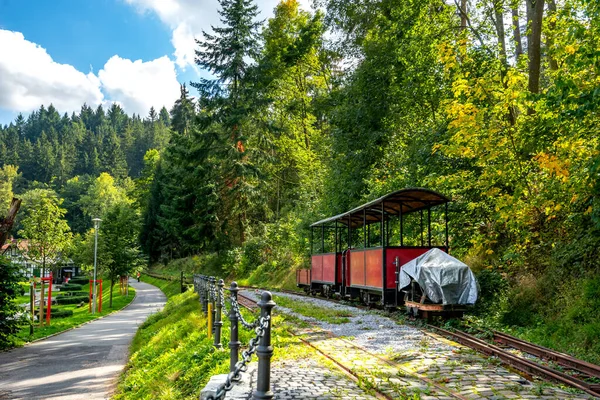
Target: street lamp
x=96 y=226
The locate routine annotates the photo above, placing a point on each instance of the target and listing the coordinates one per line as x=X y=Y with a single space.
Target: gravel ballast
x=374 y=332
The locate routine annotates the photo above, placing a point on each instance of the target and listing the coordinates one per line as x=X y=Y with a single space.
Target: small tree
x=118 y=243
x=44 y=226
x=46 y=229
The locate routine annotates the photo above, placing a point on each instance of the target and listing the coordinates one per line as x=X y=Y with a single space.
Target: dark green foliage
x=492 y=288
x=72 y=299
x=58 y=313
x=78 y=294
x=52 y=149
x=79 y=281
x=70 y=288
x=9 y=290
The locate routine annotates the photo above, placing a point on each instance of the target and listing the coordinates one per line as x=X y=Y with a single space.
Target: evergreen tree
x=182 y=113
x=227 y=105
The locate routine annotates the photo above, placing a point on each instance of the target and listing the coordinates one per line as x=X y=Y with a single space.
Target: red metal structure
x=49 y=309
x=358 y=253
x=99 y=281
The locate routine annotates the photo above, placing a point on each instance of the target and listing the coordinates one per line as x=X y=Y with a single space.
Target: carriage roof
x=408 y=200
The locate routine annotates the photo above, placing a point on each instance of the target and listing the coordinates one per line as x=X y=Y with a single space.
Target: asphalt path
x=83 y=363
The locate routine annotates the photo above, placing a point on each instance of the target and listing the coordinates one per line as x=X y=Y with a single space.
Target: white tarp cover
x=443 y=278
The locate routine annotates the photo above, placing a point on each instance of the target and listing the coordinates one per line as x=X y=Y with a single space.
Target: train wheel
x=365 y=298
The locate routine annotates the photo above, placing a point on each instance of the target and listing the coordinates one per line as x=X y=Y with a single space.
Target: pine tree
x=227 y=106
x=182 y=113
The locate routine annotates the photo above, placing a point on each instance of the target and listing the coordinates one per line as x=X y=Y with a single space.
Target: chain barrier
x=222 y=293
x=242 y=365
x=236 y=308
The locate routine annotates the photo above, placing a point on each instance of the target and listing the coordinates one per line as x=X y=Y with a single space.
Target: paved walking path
x=82 y=363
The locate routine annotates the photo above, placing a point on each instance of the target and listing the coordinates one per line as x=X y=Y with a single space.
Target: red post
x=100 y=305
x=49 y=300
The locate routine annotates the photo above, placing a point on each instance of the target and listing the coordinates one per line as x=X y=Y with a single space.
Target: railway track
x=349 y=371
x=520 y=363
x=547 y=354
x=582 y=368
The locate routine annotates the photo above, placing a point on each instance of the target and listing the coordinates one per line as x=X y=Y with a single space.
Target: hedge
x=58 y=313
x=79 y=281
x=70 y=288
x=72 y=299
x=73 y=294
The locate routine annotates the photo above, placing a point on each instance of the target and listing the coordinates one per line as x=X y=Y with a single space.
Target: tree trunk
x=499 y=22
x=550 y=36
x=463 y=15
x=535 y=12
x=517 y=30
x=6 y=224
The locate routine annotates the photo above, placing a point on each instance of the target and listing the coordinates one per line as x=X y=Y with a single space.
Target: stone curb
x=82 y=324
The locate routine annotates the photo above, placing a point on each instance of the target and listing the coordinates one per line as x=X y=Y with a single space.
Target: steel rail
x=519 y=363
x=247 y=302
x=548 y=354
x=347 y=371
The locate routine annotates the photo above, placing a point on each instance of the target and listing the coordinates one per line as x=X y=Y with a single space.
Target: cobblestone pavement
x=438 y=374
x=430 y=368
x=302 y=379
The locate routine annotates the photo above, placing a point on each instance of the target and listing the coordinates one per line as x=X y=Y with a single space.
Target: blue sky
x=67 y=52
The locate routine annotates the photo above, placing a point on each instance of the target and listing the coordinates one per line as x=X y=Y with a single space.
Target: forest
x=493 y=103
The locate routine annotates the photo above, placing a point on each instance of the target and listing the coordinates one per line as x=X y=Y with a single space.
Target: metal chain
x=242 y=365
x=222 y=296
x=213 y=294
x=238 y=313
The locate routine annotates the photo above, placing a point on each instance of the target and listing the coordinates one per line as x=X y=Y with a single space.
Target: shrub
x=72 y=299
x=58 y=313
x=9 y=289
x=492 y=289
x=73 y=294
x=523 y=303
x=70 y=288
x=79 y=281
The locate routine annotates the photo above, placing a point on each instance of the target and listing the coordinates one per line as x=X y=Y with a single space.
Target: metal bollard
x=205 y=294
x=209 y=331
x=200 y=291
x=234 y=342
x=213 y=298
x=218 y=314
x=264 y=352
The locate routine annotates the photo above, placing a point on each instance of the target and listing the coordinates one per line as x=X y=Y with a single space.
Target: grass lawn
x=169 y=287
x=173 y=358
x=80 y=314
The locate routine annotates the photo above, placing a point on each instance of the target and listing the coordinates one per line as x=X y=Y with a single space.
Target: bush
x=492 y=288
x=58 y=313
x=73 y=294
x=9 y=289
x=79 y=281
x=524 y=303
x=72 y=299
x=70 y=288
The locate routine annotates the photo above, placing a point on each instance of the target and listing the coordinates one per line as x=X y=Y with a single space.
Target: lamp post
x=96 y=226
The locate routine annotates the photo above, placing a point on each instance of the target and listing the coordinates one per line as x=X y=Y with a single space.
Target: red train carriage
x=358 y=254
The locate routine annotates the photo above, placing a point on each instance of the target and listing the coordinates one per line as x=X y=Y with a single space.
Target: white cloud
x=140 y=85
x=188 y=18
x=29 y=78
x=185 y=45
